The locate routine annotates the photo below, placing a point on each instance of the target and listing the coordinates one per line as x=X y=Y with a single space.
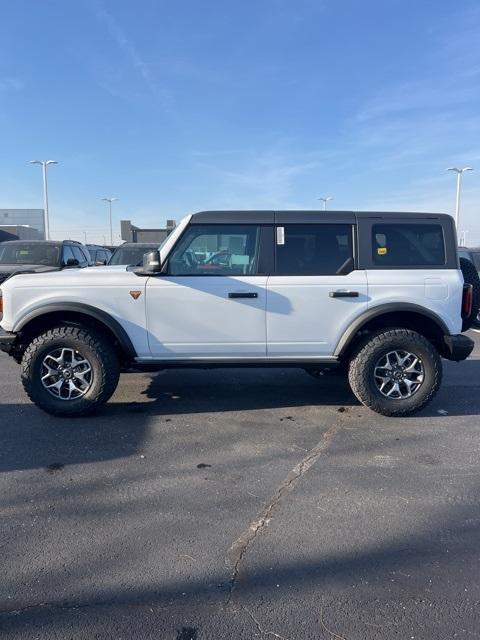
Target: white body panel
x=438 y=290
x=106 y=288
x=303 y=320
x=193 y=317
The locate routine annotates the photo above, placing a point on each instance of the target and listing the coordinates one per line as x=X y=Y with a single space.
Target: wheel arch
x=401 y=315
x=76 y=314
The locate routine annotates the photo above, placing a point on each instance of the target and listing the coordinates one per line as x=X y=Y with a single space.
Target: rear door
x=316 y=291
x=210 y=304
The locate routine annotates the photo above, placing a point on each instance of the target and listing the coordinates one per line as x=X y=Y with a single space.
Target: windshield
x=130 y=255
x=46 y=254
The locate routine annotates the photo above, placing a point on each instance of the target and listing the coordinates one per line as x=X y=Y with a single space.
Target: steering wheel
x=190 y=259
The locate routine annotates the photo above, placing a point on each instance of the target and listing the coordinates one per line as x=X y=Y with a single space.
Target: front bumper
x=458 y=347
x=6 y=340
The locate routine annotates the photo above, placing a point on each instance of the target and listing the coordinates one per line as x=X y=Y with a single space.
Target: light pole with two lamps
x=45 y=164
x=110 y=200
x=324 y=201
x=459 y=173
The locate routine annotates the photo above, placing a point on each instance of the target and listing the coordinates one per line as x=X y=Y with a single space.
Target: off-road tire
x=368 y=353
x=102 y=358
x=470 y=276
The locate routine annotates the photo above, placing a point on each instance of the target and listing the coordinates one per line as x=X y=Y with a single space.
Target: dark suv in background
x=99 y=255
x=131 y=253
x=22 y=256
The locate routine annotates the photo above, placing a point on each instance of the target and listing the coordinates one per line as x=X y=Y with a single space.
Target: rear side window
x=405 y=245
x=313 y=249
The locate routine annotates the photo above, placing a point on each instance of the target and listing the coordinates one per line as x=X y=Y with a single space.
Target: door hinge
x=280 y=235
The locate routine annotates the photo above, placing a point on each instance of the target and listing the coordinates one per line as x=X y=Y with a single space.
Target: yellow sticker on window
x=382 y=251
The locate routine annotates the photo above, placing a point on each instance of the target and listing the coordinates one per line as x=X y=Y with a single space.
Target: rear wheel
x=395 y=372
x=69 y=371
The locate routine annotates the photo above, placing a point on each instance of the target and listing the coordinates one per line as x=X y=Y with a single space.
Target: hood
x=22 y=268
x=69 y=279
x=6 y=270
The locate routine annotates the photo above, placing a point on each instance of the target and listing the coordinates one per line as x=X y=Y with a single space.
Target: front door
x=211 y=303
x=315 y=292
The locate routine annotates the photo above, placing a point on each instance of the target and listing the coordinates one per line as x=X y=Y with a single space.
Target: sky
x=184 y=105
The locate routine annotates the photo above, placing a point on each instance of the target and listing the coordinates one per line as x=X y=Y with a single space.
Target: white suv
x=380 y=295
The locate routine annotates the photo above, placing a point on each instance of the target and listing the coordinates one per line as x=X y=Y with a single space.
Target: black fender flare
x=78 y=307
x=375 y=312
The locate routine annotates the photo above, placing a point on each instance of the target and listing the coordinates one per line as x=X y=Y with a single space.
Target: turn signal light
x=467 y=300
x=1 y=303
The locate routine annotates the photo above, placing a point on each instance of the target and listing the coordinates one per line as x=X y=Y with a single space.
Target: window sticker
x=382 y=251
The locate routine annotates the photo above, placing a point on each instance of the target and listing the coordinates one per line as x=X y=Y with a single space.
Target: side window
x=407 y=245
x=314 y=249
x=78 y=254
x=476 y=260
x=86 y=254
x=216 y=250
x=67 y=253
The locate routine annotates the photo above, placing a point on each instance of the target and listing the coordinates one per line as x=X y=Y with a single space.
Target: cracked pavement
x=244 y=504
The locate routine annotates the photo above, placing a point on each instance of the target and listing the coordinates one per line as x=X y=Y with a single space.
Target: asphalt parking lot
x=241 y=504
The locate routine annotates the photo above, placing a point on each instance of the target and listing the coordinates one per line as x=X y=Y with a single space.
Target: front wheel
x=70 y=371
x=395 y=372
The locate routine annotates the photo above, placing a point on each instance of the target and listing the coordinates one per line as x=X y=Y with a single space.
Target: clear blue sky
x=178 y=106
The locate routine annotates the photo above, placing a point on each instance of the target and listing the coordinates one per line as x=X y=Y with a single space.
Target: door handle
x=242 y=294
x=344 y=294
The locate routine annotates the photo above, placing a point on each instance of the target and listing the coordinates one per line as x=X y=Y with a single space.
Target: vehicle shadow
x=33 y=439
x=213 y=391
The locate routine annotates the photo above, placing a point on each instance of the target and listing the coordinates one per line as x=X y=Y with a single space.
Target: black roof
x=55 y=243
x=270 y=217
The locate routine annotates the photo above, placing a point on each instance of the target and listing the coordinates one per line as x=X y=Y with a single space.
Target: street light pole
x=324 y=201
x=459 y=173
x=46 y=221
x=110 y=200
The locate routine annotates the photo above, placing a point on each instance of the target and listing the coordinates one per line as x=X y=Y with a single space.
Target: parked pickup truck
x=378 y=295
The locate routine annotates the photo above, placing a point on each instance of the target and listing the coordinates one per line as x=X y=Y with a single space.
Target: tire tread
x=359 y=364
x=107 y=359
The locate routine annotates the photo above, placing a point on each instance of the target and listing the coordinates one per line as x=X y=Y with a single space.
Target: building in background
x=25 y=224
x=131 y=233
x=18 y=232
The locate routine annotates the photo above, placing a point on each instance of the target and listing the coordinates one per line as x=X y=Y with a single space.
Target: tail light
x=467 y=300
x=1 y=303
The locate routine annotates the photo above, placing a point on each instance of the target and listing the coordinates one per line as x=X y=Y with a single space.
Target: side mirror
x=152 y=262
x=72 y=262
